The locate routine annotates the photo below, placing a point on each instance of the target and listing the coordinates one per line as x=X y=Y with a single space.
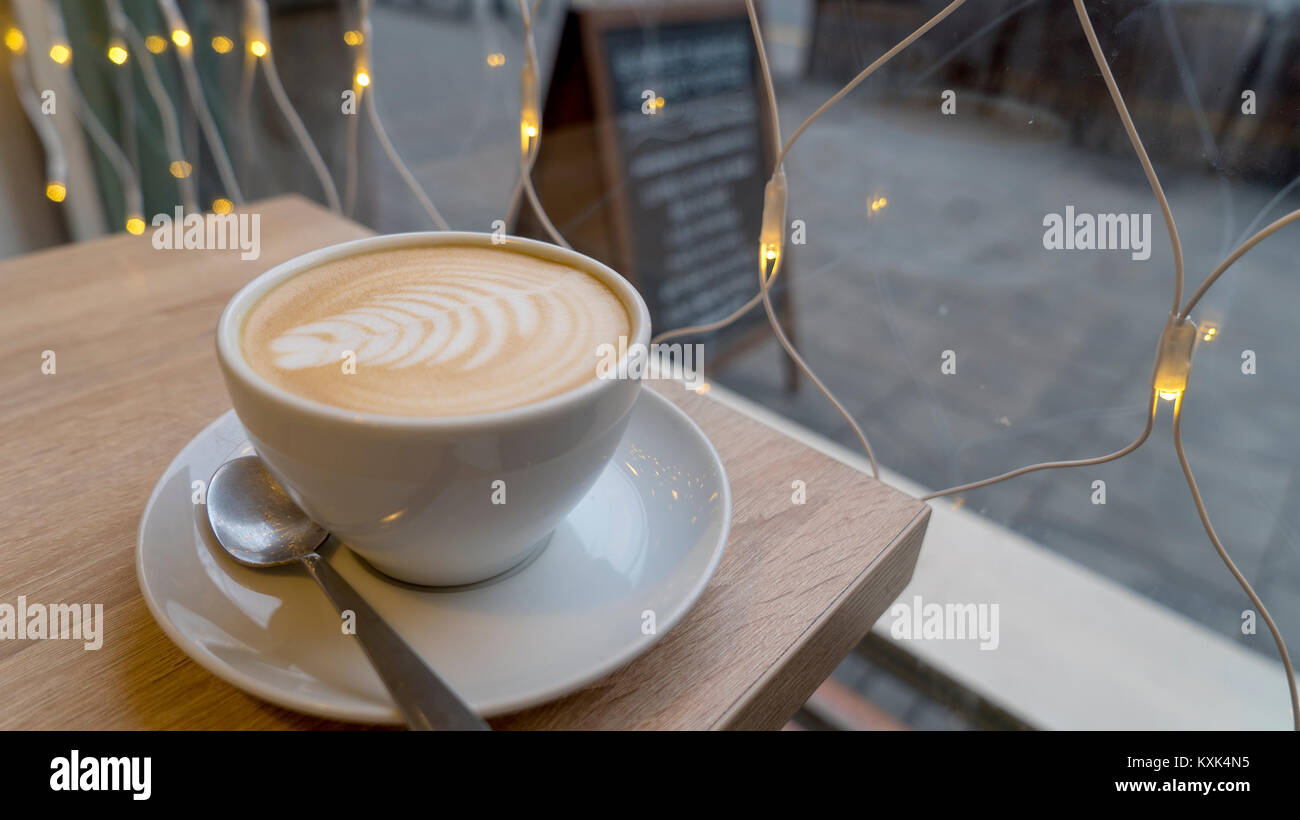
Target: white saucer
x=647 y=538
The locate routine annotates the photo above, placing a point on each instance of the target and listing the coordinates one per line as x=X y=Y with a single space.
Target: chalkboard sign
x=655 y=151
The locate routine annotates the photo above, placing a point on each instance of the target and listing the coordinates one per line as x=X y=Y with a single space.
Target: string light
x=211 y=134
x=1175 y=348
x=117 y=53
x=364 y=66
x=249 y=33
x=1174 y=386
x=222 y=206
x=132 y=195
x=180 y=168
x=862 y=75
x=146 y=48
x=126 y=176
x=256 y=31
x=56 y=165
x=350 y=165
x=771 y=237
x=530 y=128
x=1174 y=358
x=222 y=44
x=1232 y=567
x=529 y=120
x=15 y=41
x=126 y=102
x=1233 y=257
x=772 y=242
x=496 y=59
x=135 y=225
x=60 y=53
x=352 y=38
x=1173 y=361
x=362 y=78
x=1177 y=343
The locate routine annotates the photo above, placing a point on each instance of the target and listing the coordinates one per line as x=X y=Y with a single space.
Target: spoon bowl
x=259 y=525
x=255 y=520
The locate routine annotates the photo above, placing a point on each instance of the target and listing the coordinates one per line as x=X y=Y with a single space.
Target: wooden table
x=136 y=378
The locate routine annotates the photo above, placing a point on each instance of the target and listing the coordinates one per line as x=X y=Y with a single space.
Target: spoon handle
x=421 y=696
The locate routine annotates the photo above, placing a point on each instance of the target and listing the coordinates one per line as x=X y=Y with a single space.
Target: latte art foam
x=439 y=331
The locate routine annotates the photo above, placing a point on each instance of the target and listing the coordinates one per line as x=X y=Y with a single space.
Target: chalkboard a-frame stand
x=671 y=200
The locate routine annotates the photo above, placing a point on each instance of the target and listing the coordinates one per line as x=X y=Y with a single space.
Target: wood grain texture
x=132 y=330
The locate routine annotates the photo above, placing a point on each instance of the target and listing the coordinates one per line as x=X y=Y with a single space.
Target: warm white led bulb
x=529 y=120
x=771 y=239
x=1174 y=357
x=15 y=41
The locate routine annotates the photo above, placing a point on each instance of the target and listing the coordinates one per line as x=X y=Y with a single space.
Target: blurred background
x=924 y=233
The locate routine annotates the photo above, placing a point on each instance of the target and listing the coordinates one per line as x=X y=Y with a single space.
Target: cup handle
x=423 y=698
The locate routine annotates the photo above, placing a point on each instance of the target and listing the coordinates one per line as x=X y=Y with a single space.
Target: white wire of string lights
x=1177 y=344
x=119 y=55
x=772 y=235
x=1178 y=338
x=530 y=122
x=56 y=163
x=257 y=51
x=184 y=42
x=363 y=82
x=354 y=39
x=530 y=126
x=132 y=198
x=61 y=55
x=144 y=49
x=772 y=241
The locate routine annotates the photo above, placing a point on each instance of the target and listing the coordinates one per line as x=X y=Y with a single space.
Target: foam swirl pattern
x=435 y=331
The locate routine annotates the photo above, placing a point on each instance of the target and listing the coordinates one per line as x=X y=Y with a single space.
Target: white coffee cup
x=415 y=496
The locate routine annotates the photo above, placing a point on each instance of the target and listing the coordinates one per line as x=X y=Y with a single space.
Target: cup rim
x=230 y=328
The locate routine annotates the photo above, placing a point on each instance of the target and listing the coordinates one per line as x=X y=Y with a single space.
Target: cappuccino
x=447 y=330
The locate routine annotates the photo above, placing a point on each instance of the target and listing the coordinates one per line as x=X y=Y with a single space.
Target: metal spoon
x=259 y=525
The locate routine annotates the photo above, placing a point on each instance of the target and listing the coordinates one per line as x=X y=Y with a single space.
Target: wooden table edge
x=766 y=703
